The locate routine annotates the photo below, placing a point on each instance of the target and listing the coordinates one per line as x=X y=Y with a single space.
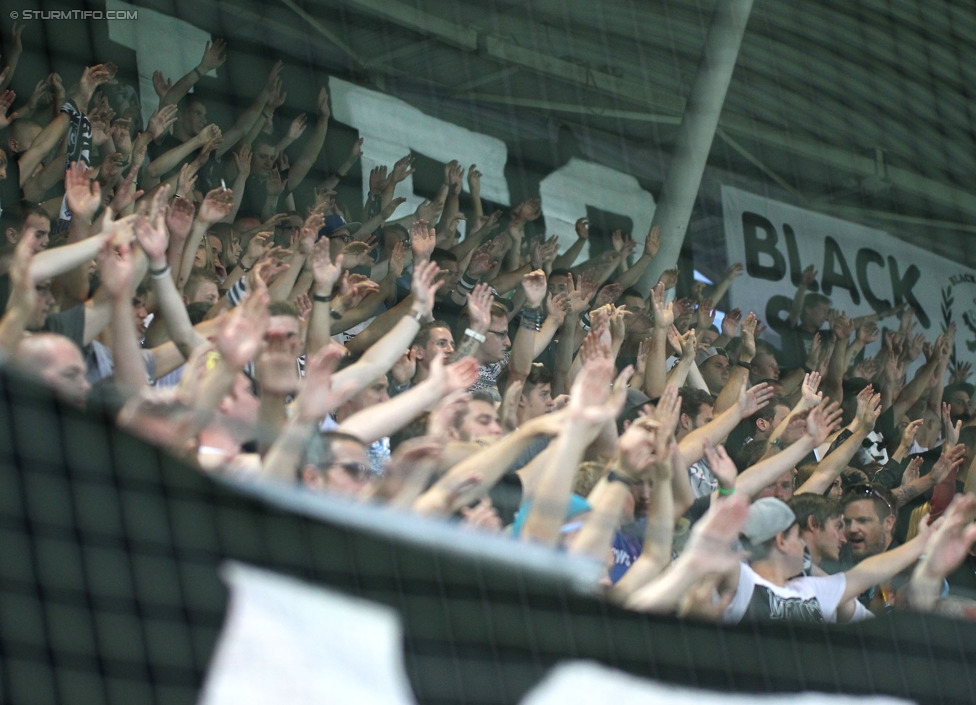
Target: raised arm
x=386 y=418
x=652 y=243
x=299 y=170
x=749 y=402
x=152 y=235
x=709 y=552
x=213 y=58
x=587 y=411
x=523 y=347
x=945 y=550
x=379 y=358
x=655 y=376
x=659 y=533
x=23 y=296
x=116 y=267
x=819 y=424
x=830 y=467
x=884 y=566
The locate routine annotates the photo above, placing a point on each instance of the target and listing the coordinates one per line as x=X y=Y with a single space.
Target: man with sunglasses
x=869 y=519
x=337 y=463
x=766 y=587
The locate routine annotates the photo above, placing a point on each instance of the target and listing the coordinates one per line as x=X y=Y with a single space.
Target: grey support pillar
x=697 y=131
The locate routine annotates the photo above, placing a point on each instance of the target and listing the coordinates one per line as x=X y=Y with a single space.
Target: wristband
x=240 y=263
x=724 y=492
x=160 y=273
x=336 y=315
x=623 y=479
x=466 y=283
x=747 y=365
x=779 y=444
x=806 y=369
x=475 y=335
x=322 y=299
x=418 y=316
x=532 y=319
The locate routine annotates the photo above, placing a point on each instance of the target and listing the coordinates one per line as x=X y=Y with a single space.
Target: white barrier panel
x=285 y=641
x=586 y=683
x=392 y=128
x=566 y=193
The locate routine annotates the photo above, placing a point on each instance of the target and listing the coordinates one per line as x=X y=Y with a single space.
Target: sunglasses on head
x=868 y=491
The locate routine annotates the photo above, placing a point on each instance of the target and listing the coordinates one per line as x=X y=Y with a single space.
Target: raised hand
x=240 y=333
x=912 y=471
x=325 y=272
x=161 y=120
x=663 y=314
x=216 y=205
x=809 y=277
x=357 y=254
x=748 y=335
x=527 y=211
x=607 y=295
x=116 y=267
x=721 y=465
x=950 y=429
x=455 y=377
x=867 y=416
x=402 y=169
x=474 y=180
x=161 y=85
x=534 y=286
x=583 y=228
x=652 y=243
x=153 y=238
x=84 y=194
x=424 y=285
x=688 y=344
x=809 y=395
x=670 y=278
x=126 y=193
x=377 y=179
x=868 y=333
x=706 y=314
x=423 y=240
x=353 y=288
x=454 y=176
x=478 y=307
x=179 y=220
x=213 y=56
x=949 y=545
x=822 y=421
x=755 y=398
x=429 y=211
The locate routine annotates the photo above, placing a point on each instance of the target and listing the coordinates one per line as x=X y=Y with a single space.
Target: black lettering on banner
x=831 y=277
x=778 y=311
x=863 y=259
x=793 y=252
x=901 y=287
x=756 y=246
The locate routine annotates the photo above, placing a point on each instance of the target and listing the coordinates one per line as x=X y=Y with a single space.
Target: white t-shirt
x=805 y=599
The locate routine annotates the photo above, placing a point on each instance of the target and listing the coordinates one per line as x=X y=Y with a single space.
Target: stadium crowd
x=195 y=280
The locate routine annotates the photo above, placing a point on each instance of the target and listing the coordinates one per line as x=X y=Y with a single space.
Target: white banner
x=861 y=269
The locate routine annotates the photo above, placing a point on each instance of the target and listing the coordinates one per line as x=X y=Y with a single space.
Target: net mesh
x=109 y=590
